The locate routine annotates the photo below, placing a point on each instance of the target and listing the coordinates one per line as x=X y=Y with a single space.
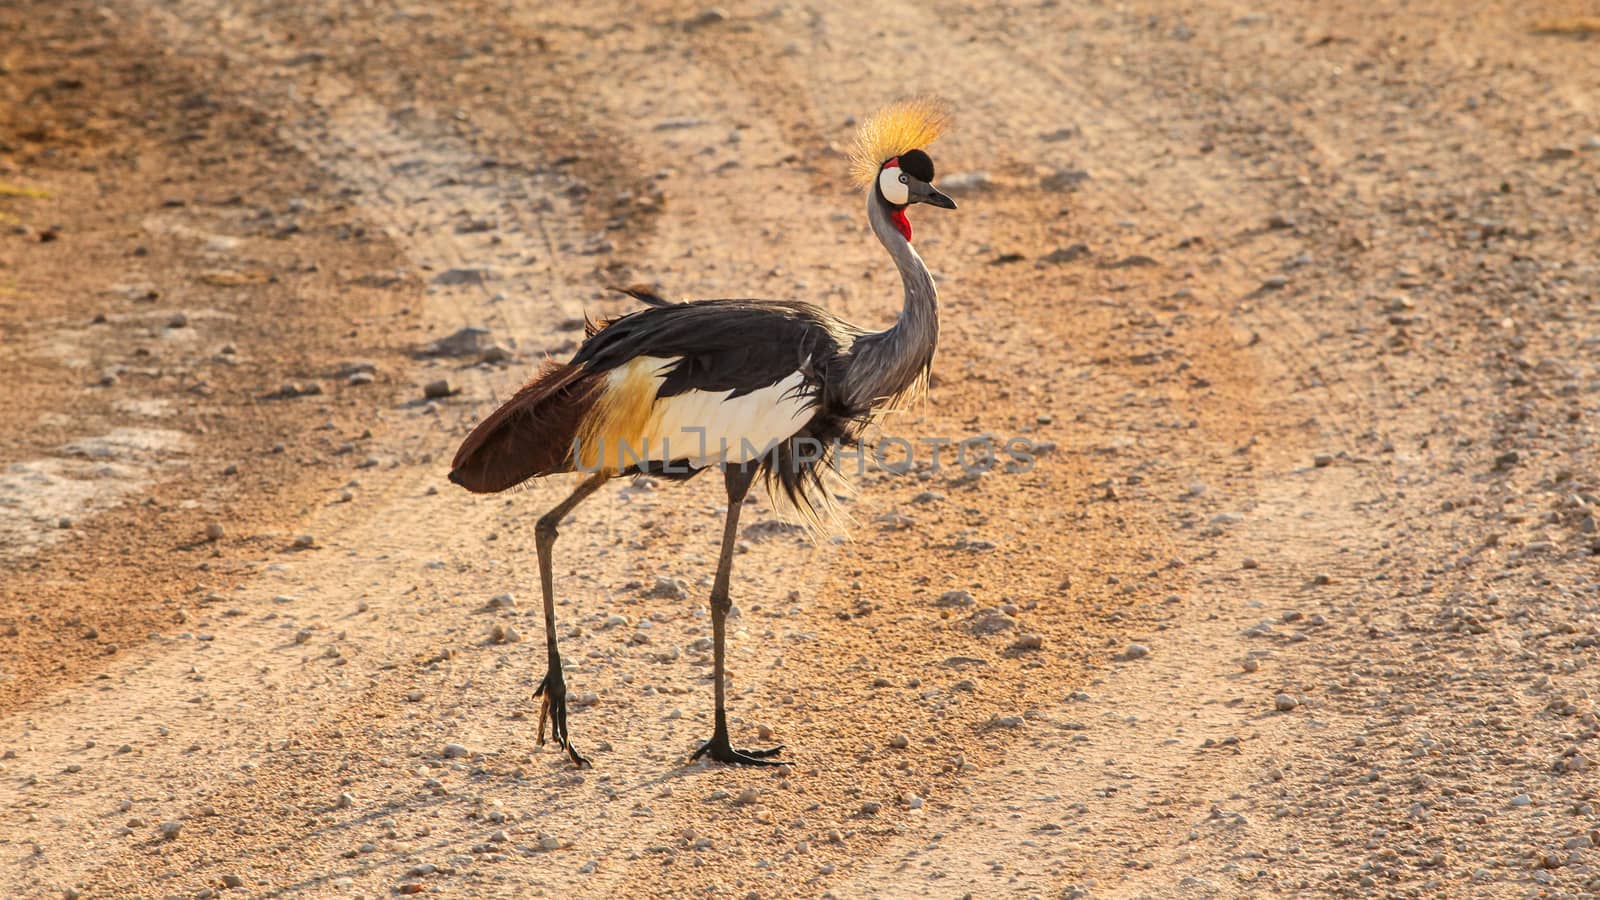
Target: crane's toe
x=552 y=694
x=719 y=749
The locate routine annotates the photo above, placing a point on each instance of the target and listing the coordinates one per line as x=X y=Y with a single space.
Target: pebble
x=505 y=634
x=710 y=16
x=900 y=742
x=305 y=542
x=468 y=341
x=438 y=389
x=346 y=800
x=360 y=378
x=747 y=796
x=502 y=601
x=233 y=881
x=871 y=808
x=913 y=801
x=170 y=830
x=1285 y=702
x=1064 y=180
x=1322 y=460
x=1250 y=562
x=955 y=598
x=1322 y=578
x=1136 y=651
x=1251 y=664
x=965 y=183
x=1063 y=255
x=991 y=621
x=668 y=589
x=178 y=320
x=549 y=842
x=215 y=532
x=1521 y=800
x=455 y=751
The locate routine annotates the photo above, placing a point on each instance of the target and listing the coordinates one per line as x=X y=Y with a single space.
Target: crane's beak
x=923 y=192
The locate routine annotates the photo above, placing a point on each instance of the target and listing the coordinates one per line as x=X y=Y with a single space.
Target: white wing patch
x=706 y=427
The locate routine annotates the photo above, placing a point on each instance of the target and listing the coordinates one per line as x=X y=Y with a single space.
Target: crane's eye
x=892 y=185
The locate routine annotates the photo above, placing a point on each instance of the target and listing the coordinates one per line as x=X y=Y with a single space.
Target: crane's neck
x=888 y=363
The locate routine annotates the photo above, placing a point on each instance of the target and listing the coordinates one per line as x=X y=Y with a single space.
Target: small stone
x=1521 y=800
x=1028 y=641
x=1063 y=255
x=64 y=522
x=1322 y=460
x=305 y=542
x=991 y=621
x=965 y=183
x=549 y=842
x=706 y=17
x=455 y=751
x=346 y=800
x=415 y=696
x=233 y=881
x=1285 y=702
x=900 y=742
x=1322 y=578
x=505 y=634
x=747 y=797
x=215 y=532
x=1250 y=664
x=955 y=598
x=360 y=378
x=170 y=830
x=668 y=589
x=1136 y=651
x=502 y=601
x=871 y=808
x=440 y=388
x=178 y=320
x=913 y=801
x=1250 y=562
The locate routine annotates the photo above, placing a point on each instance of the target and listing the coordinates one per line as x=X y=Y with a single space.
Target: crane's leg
x=738 y=479
x=553 y=689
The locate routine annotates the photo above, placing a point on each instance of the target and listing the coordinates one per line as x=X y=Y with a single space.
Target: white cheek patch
x=891 y=183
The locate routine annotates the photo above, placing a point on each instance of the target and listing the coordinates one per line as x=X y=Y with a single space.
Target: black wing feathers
x=722 y=345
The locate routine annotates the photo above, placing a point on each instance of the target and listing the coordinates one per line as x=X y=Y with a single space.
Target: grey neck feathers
x=886 y=364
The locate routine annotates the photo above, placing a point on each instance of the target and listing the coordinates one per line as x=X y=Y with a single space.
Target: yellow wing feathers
x=895 y=129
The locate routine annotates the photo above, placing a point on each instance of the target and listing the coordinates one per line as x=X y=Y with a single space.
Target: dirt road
x=1300 y=304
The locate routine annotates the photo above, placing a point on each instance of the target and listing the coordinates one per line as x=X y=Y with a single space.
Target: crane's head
x=889 y=158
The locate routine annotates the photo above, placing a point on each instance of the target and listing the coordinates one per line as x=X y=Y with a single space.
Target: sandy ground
x=1300 y=300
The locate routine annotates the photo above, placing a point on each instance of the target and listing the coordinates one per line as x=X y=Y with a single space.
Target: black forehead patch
x=917 y=164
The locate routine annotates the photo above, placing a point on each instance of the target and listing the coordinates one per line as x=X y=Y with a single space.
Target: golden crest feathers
x=893 y=130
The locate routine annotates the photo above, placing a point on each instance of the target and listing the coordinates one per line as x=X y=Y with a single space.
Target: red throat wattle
x=898 y=217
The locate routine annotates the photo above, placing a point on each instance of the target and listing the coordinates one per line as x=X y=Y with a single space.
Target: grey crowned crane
x=752 y=387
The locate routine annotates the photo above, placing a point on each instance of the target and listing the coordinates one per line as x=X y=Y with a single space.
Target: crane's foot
x=719 y=749
x=552 y=694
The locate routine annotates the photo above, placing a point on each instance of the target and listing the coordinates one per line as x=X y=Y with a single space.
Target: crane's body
x=751 y=387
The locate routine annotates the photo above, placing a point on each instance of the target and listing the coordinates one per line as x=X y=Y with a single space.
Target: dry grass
x=1575 y=25
x=13 y=190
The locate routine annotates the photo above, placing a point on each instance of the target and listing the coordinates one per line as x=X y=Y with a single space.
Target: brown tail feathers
x=530 y=434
